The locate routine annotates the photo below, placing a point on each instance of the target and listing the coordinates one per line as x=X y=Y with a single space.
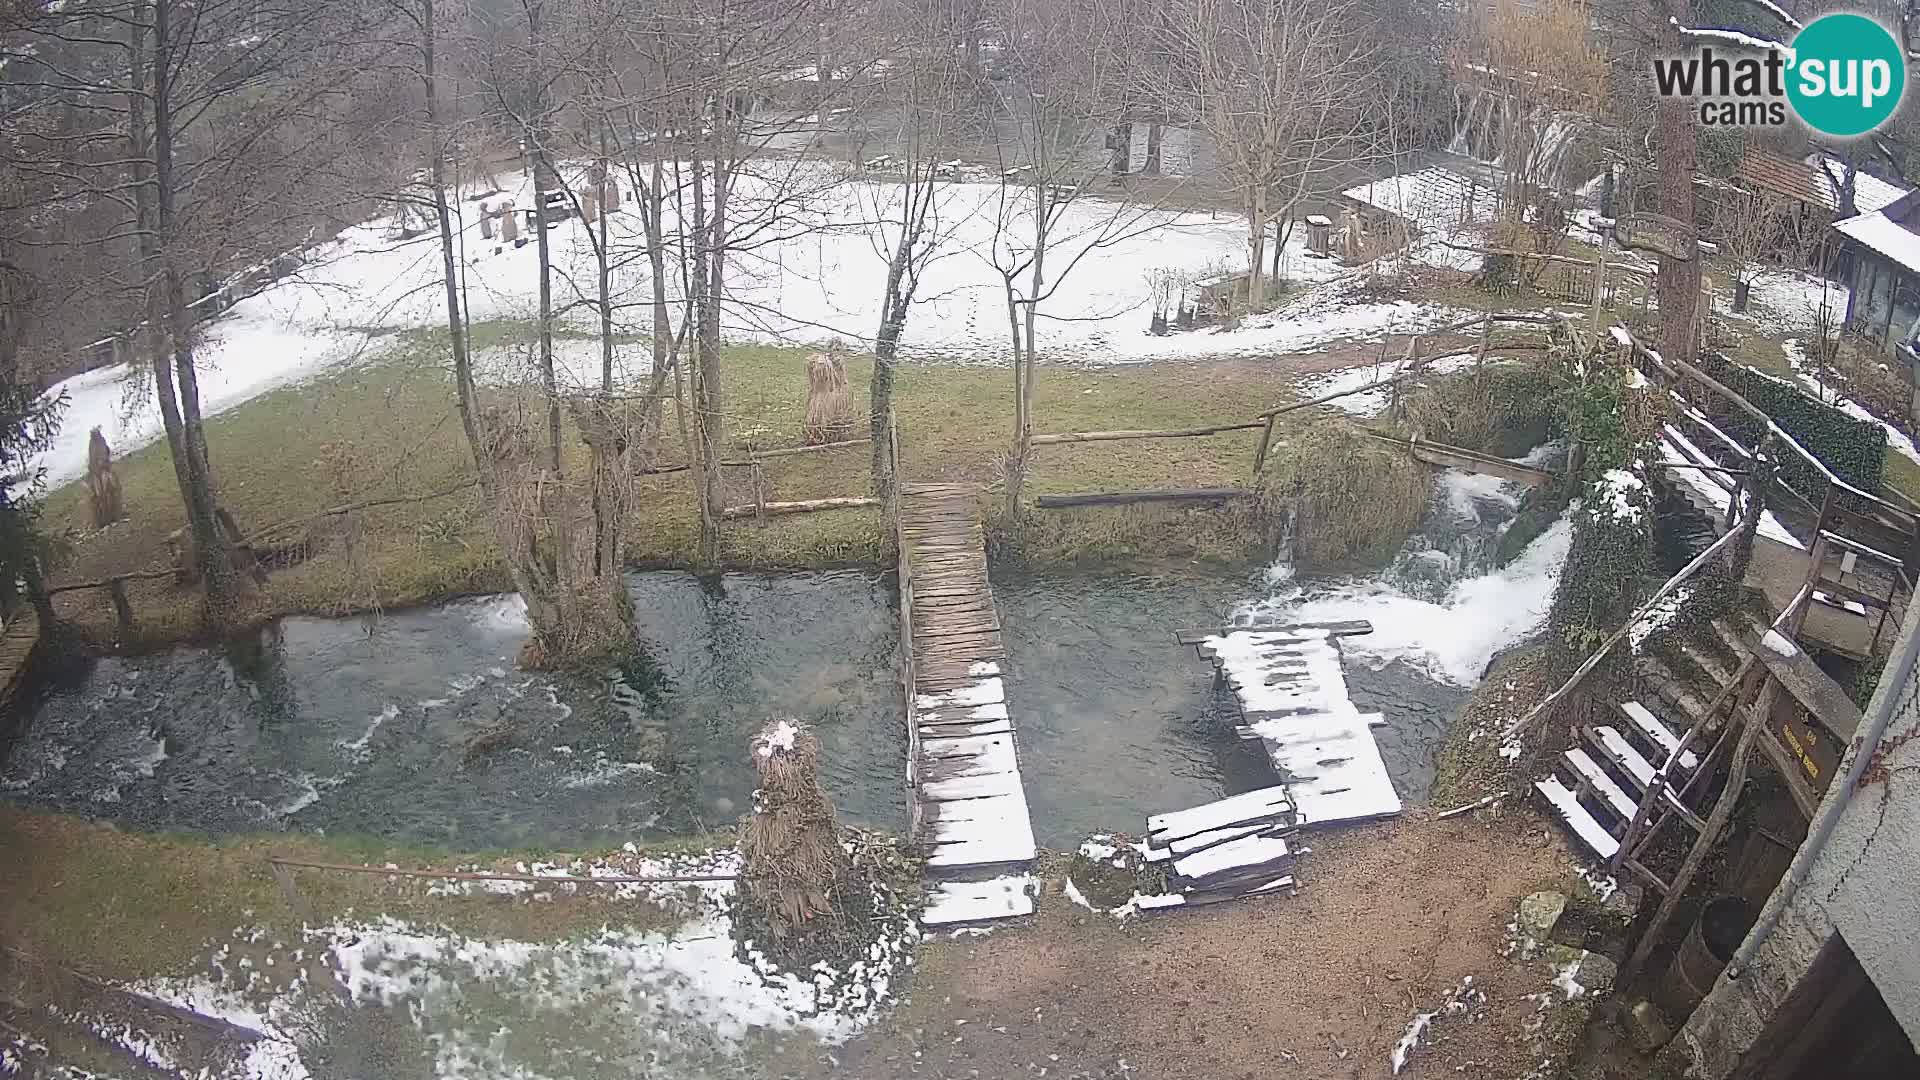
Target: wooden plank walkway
x=1293 y=698
x=968 y=805
x=17 y=643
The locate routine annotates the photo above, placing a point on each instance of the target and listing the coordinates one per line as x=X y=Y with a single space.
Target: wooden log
x=475 y=875
x=1111 y=436
x=1266 y=445
x=1121 y=498
x=800 y=507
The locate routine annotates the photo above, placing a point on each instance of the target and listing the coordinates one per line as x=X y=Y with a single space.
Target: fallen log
x=799 y=507
x=1111 y=436
x=1121 y=498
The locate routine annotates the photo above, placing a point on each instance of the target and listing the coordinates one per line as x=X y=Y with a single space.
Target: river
x=416 y=726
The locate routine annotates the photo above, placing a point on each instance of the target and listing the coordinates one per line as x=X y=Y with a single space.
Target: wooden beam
x=1347 y=628
x=1113 y=436
x=1814 y=689
x=1457 y=458
x=799 y=507
x=1119 y=498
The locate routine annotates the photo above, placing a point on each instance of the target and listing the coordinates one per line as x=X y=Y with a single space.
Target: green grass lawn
x=122 y=905
x=389 y=428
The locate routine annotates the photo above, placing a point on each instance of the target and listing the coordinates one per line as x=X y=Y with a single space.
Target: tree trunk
x=880 y=400
x=159 y=358
x=456 y=326
x=216 y=572
x=542 y=183
x=1257 y=241
x=1151 y=166
x=1120 y=140
x=1677 y=286
x=706 y=460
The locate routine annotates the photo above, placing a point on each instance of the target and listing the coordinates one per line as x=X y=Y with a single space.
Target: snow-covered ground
x=682 y=1001
x=1803 y=369
x=1785 y=302
x=812 y=274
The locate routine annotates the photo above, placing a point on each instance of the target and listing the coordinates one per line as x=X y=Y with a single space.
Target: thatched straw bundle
x=794 y=866
x=103 y=486
x=829 y=402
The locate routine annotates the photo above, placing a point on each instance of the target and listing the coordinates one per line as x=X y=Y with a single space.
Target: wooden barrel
x=1703 y=955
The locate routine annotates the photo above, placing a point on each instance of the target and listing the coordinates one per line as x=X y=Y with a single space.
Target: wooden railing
x=1412 y=364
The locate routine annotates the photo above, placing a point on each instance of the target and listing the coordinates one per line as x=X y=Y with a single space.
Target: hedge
x=1855 y=449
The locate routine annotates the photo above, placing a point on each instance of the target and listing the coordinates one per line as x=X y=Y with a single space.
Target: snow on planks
x=1238 y=846
x=969 y=807
x=1293 y=698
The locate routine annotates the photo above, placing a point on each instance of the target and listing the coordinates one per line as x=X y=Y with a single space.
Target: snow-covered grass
x=1782 y=302
x=1803 y=369
x=683 y=997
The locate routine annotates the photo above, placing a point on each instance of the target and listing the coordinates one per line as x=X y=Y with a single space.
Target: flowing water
x=369 y=725
x=417 y=726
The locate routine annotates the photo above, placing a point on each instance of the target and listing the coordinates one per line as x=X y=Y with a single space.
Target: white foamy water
x=1453 y=639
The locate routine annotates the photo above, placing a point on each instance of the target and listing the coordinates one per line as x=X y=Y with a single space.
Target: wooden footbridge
x=17 y=643
x=968 y=805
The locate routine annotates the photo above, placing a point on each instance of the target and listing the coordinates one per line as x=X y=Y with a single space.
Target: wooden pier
x=968 y=806
x=1292 y=695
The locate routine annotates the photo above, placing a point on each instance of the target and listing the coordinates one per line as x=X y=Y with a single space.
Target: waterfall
x=1478 y=133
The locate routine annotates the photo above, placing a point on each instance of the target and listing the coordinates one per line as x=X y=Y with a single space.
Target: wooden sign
x=1656 y=233
x=1812 y=749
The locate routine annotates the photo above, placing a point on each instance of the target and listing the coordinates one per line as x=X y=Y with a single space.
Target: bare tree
x=1538 y=66
x=1062 y=96
x=1287 y=89
x=192 y=127
x=929 y=83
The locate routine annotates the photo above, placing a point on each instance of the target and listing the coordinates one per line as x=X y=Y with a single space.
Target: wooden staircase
x=1598 y=785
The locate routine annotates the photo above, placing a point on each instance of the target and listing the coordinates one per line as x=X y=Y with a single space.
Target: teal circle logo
x=1847 y=75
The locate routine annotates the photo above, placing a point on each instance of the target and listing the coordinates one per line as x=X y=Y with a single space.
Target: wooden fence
x=1412 y=364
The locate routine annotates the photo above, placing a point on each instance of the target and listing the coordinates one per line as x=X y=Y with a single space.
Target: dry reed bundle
x=830 y=416
x=794 y=867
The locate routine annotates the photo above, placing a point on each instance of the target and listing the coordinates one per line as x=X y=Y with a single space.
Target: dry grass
x=1358 y=500
x=125 y=905
x=272 y=459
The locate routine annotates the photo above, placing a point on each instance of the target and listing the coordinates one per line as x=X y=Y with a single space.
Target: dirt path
x=1322 y=984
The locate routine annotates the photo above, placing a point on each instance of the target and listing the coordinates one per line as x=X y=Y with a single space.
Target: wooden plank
x=1127 y=498
x=1814 y=689
x=952 y=902
x=1195 y=636
x=1234 y=809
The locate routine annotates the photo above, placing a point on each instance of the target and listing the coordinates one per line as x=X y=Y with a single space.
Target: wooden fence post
x=122 y=609
x=759 y=469
x=1266 y=445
